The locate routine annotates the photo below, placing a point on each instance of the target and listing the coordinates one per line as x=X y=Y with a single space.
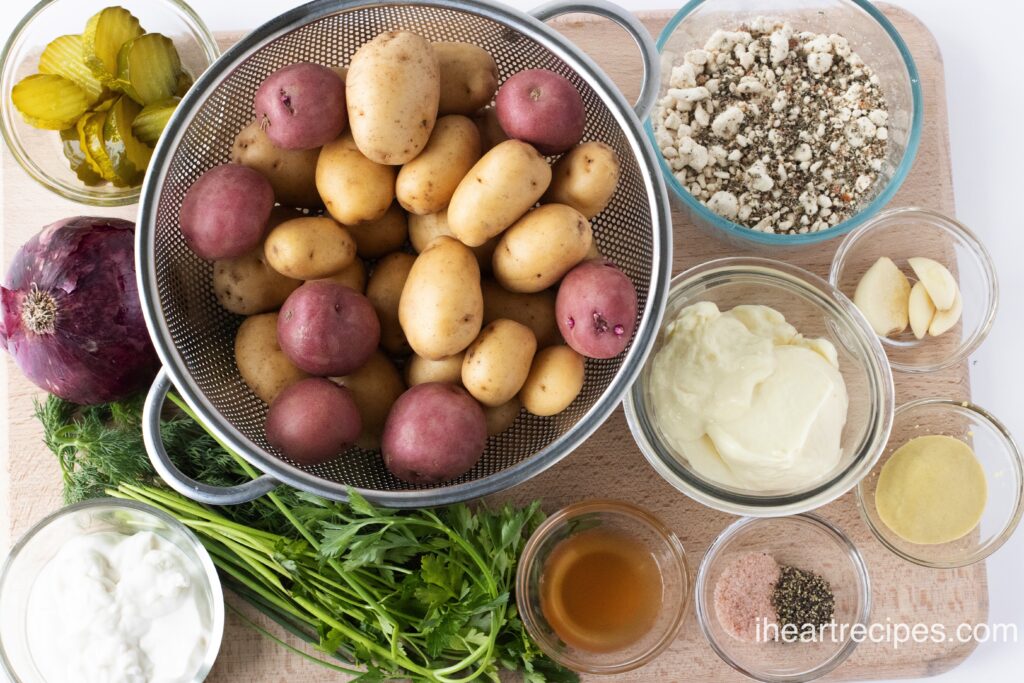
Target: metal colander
x=194 y=335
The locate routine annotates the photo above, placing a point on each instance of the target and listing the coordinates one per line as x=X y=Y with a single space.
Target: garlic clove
x=921 y=309
x=937 y=279
x=945 y=320
x=883 y=296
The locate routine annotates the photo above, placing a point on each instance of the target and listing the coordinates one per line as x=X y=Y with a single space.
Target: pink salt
x=743 y=596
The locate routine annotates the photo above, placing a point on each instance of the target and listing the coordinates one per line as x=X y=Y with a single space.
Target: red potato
x=542 y=108
x=225 y=212
x=434 y=432
x=313 y=421
x=596 y=309
x=302 y=106
x=326 y=328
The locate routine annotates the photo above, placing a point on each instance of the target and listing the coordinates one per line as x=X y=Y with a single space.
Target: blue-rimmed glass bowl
x=871 y=35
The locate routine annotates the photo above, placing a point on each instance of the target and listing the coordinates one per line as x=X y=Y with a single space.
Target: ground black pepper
x=803 y=598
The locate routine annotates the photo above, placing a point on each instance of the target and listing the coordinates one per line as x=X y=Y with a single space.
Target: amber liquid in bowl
x=601 y=590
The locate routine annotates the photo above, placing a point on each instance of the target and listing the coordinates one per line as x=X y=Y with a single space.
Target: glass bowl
x=870 y=34
x=807 y=542
x=39 y=152
x=40 y=543
x=642 y=527
x=908 y=232
x=1004 y=474
x=816 y=310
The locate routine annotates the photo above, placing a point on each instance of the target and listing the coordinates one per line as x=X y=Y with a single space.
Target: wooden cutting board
x=609 y=464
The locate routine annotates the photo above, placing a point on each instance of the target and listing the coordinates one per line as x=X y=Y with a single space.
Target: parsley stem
x=291 y=648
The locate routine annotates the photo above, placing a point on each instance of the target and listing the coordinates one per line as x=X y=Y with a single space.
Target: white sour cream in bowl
x=109 y=591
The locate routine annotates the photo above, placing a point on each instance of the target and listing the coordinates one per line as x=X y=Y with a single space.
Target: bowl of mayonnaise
x=108 y=590
x=766 y=393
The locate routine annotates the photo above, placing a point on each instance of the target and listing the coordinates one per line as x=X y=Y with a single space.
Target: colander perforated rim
x=656 y=203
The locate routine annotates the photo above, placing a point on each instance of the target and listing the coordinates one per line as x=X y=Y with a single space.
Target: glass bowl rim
x=557 y=521
x=866 y=212
x=209 y=570
x=82 y=194
x=833 y=532
x=1016 y=459
x=952 y=226
x=781 y=274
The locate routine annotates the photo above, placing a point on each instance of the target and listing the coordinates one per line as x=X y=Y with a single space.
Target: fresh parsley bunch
x=422 y=595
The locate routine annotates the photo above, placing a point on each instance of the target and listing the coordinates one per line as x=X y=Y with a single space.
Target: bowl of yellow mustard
x=948 y=490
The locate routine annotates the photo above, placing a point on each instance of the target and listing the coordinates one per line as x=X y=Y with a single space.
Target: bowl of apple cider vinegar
x=603 y=586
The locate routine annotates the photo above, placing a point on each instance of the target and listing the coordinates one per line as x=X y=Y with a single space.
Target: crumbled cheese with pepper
x=778 y=130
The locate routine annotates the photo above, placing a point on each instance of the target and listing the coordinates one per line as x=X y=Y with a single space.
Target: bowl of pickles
x=88 y=87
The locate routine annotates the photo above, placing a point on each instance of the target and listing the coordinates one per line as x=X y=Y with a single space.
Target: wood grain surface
x=609 y=464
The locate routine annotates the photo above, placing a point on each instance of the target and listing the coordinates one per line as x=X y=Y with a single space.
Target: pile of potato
x=397 y=167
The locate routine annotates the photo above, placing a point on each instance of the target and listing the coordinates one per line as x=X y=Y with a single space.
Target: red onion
x=71 y=312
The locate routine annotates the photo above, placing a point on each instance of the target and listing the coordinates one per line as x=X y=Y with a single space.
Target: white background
x=981 y=42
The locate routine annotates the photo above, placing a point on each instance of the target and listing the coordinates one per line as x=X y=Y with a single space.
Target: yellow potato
x=555 y=380
x=585 y=178
x=536 y=311
x=500 y=188
x=491 y=132
x=291 y=172
x=500 y=418
x=384 y=290
x=247 y=284
x=485 y=253
x=441 y=307
x=392 y=92
x=541 y=247
x=382 y=236
x=469 y=77
x=352 y=276
x=425 y=185
x=309 y=248
x=261 y=362
x=425 y=229
x=354 y=189
x=375 y=387
x=498 y=362
x=420 y=370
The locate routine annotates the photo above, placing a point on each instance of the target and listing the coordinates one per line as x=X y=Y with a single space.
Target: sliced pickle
x=63 y=57
x=49 y=101
x=105 y=33
x=80 y=163
x=96 y=148
x=185 y=81
x=152 y=120
x=83 y=145
x=106 y=103
x=148 y=68
x=127 y=154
